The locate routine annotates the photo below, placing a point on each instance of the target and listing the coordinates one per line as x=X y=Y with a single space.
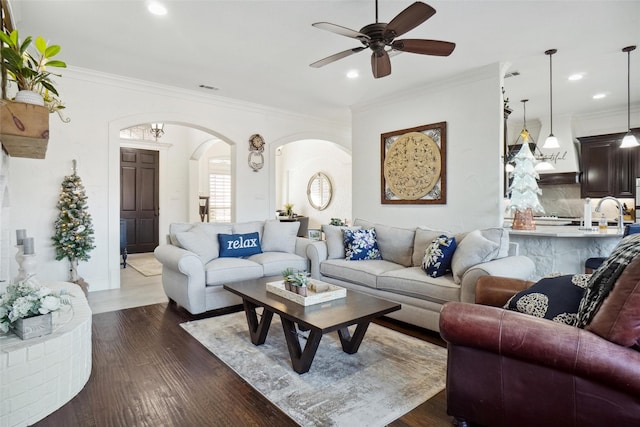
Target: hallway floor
x=136 y=290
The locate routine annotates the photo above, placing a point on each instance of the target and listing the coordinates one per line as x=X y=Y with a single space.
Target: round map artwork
x=412 y=165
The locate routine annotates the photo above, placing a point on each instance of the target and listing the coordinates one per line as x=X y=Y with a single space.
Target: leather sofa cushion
x=413 y=281
x=618 y=318
x=395 y=243
x=224 y=270
x=363 y=273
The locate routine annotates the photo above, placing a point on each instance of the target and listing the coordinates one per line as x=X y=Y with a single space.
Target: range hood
x=560 y=178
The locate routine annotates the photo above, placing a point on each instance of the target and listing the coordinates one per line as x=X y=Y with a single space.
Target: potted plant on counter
x=30 y=70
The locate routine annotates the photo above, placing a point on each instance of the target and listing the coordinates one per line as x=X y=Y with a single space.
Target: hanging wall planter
x=24 y=129
x=29 y=97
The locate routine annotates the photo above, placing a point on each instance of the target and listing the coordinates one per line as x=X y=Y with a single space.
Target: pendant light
x=629 y=140
x=551 y=141
x=525 y=136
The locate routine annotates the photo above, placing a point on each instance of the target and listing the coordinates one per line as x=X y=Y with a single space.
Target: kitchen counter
x=566 y=231
x=563 y=249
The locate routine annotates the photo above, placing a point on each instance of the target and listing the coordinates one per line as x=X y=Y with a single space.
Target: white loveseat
x=399 y=275
x=194 y=272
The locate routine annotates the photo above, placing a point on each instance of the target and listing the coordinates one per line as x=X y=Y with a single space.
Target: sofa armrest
x=496 y=291
x=316 y=252
x=541 y=342
x=518 y=267
x=301 y=246
x=178 y=259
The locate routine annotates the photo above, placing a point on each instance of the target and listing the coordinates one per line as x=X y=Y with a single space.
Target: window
x=219 y=190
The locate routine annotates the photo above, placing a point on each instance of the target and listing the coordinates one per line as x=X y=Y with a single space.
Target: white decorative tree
x=524 y=190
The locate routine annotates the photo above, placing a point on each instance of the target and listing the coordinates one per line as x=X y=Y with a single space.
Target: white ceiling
x=260 y=50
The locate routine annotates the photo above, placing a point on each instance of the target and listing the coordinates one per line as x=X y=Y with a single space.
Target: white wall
x=99 y=106
x=298 y=162
x=472 y=107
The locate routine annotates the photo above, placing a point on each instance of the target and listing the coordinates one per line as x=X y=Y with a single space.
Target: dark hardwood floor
x=147 y=371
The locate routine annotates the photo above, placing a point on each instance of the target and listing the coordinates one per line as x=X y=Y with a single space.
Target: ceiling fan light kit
x=380 y=38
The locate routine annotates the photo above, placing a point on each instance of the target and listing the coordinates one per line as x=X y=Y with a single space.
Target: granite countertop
x=565 y=231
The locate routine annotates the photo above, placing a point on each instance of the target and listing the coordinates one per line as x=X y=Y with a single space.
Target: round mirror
x=319 y=191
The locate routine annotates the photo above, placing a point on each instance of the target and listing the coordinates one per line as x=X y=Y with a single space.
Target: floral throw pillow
x=360 y=244
x=438 y=256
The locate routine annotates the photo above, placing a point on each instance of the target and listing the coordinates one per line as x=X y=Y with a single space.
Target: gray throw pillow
x=472 y=250
x=280 y=236
x=335 y=241
x=395 y=243
x=202 y=239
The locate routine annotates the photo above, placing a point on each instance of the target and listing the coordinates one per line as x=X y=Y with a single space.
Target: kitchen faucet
x=620 y=213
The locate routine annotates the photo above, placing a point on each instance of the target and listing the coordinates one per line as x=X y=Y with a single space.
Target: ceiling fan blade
x=343 y=31
x=408 y=19
x=424 y=47
x=380 y=63
x=336 y=56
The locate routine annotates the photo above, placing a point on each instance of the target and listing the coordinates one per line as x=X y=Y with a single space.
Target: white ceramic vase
x=29 y=97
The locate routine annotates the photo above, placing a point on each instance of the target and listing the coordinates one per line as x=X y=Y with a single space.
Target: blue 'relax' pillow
x=438 y=256
x=239 y=245
x=360 y=244
x=553 y=298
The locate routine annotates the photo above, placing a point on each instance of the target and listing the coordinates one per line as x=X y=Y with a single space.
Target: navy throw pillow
x=239 y=245
x=360 y=244
x=438 y=256
x=554 y=298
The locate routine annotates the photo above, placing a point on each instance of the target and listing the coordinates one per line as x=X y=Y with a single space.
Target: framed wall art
x=413 y=165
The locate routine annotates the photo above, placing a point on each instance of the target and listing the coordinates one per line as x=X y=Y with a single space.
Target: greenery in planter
x=28 y=70
x=28 y=298
x=336 y=221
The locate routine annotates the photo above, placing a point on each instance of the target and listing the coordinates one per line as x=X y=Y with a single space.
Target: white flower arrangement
x=28 y=298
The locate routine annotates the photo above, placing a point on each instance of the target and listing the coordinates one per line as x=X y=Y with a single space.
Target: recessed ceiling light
x=353 y=74
x=576 y=77
x=599 y=95
x=157 y=8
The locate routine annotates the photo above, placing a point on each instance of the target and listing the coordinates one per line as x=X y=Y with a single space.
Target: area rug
x=145 y=264
x=391 y=373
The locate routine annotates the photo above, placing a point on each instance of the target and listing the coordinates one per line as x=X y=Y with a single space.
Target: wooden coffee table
x=355 y=309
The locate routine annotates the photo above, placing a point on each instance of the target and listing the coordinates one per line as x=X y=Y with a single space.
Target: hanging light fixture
x=526 y=138
x=629 y=140
x=551 y=141
x=157 y=130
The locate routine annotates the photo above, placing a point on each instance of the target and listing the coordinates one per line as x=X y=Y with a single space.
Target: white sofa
x=399 y=275
x=194 y=272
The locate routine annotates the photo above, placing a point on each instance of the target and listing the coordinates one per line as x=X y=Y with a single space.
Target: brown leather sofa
x=511 y=369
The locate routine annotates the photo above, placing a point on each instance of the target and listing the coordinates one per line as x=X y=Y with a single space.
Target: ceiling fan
x=380 y=38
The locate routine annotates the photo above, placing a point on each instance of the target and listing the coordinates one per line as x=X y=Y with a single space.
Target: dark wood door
x=139 y=194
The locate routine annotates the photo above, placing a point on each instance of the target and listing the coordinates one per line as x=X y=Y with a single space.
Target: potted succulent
x=287 y=277
x=30 y=71
x=299 y=283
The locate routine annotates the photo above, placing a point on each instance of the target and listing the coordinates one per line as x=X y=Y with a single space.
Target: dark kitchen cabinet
x=607 y=169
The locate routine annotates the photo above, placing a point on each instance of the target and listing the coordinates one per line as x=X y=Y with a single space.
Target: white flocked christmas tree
x=524 y=190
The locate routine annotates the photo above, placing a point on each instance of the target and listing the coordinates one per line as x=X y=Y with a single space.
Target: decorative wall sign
x=256 y=148
x=413 y=165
